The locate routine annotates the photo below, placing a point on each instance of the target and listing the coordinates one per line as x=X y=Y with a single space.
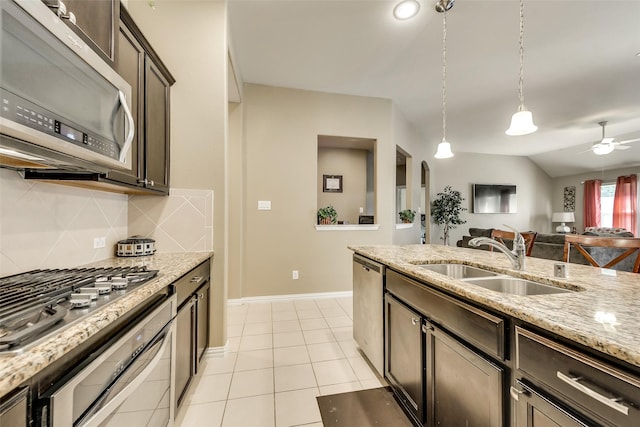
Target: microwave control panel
x=28 y=114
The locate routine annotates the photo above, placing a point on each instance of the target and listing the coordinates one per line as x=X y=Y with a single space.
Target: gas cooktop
x=38 y=303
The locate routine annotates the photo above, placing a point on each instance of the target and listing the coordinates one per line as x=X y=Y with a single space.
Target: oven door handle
x=107 y=404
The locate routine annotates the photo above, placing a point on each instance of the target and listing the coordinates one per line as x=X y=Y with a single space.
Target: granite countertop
x=603 y=315
x=16 y=369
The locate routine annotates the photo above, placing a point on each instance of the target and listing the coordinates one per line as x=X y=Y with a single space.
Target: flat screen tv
x=494 y=198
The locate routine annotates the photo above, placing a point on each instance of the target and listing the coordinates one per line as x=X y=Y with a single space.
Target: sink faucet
x=517 y=256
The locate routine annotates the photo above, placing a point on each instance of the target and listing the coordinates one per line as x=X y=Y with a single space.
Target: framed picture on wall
x=332 y=183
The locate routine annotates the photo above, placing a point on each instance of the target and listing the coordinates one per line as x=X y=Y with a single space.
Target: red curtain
x=592 y=203
x=625 y=203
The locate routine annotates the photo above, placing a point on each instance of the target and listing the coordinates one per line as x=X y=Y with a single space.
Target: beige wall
x=352 y=165
x=412 y=144
x=192 y=42
x=576 y=181
x=534 y=191
x=281 y=127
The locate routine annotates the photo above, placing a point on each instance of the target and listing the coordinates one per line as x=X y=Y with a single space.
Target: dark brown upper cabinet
x=150 y=82
x=97 y=24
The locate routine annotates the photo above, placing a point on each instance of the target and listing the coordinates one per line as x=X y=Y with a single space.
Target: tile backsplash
x=181 y=222
x=46 y=225
x=53 y=226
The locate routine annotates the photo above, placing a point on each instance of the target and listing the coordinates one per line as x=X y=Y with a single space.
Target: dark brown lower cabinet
x=185 y=351
x=404 y=367
x=464 y=388
x=534 y=409
x=437 y=376
x=192 y=328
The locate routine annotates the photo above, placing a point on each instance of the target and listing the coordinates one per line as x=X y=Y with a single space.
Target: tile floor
x=280 y=356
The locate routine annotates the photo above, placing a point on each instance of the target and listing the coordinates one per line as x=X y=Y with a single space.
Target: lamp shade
x=521 y=124
x=444 y=151
x=563 y=217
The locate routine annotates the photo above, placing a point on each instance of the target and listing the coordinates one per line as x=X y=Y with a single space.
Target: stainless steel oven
x=60 y=103
x=130 y=383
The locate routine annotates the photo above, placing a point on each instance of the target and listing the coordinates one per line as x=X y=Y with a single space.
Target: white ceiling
x=581 y=67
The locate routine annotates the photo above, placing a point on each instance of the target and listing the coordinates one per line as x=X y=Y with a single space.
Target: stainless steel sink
x=458 y=271
x=515 y=286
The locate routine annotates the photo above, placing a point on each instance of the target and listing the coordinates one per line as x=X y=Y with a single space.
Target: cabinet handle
x=414 y=321
x=515 y=393
x=196 y=279
x=610 y=402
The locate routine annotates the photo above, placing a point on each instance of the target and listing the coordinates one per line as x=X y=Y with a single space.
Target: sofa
x=551 y=246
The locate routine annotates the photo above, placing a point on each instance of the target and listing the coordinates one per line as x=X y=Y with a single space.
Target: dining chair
x=529 y=238
x=628 y=246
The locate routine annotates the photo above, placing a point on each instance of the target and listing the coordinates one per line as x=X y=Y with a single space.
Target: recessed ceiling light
x=406 y=9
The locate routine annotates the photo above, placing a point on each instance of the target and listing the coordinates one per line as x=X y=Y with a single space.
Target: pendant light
x=444 y=148
x=522 y=120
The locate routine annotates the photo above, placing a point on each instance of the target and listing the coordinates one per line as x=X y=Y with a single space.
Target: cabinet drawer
x=596 y=388
x=482 y=329
x=187 y=284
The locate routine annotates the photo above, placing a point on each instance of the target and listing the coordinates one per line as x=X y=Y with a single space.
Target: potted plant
x=446 y=210
x=407 y=215
x=327 y=215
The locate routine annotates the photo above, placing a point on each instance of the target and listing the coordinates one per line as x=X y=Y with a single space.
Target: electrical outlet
x=294 y=275
x=361 y=210
x=99 y=242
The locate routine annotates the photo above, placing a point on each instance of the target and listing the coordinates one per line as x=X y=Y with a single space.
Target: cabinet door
x=463 y=388
x=185 y=357
x=404 y=356
x=156 y=128
x=533 y=409
x=202 y=322
x=97 y=24
x=130 y=65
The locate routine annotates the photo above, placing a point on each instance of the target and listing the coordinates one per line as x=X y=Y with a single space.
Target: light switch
x=264 y=205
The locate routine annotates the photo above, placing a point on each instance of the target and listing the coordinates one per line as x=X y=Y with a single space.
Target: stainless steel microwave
x=61 y=104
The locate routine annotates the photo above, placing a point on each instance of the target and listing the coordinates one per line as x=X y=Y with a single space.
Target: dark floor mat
x=373 y=407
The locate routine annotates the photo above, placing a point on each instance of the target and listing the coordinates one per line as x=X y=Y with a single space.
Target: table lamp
x=563 y=217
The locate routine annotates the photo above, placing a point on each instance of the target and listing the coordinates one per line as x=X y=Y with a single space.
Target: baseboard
x=267 y=298
x=213 y=351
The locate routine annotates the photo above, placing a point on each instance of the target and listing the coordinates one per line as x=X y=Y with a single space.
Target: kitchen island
x=459 y=333
x=16 y=370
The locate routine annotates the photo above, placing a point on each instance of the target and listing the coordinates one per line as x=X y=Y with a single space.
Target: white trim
x=348 y=227
x=404 y=225
x=243 y=300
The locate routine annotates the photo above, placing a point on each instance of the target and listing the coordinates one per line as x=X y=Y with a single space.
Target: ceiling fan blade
x=628 y=141
x=621 y=147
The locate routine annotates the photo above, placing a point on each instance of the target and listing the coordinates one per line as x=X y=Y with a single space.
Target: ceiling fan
x=607 y=145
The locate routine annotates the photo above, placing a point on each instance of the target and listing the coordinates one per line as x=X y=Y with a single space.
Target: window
x=607 y=191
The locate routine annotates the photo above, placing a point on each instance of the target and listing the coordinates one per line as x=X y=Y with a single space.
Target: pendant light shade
x=522 y=120
x=521 y=124
x=444 y=150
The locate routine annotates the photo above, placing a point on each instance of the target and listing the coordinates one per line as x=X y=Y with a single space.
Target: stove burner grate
x=30 y=301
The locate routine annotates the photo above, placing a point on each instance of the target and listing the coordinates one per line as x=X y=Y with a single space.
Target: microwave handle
x=129 y=139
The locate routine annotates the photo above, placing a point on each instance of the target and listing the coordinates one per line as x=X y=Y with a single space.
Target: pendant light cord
x=521 y=51
x=444 y=75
